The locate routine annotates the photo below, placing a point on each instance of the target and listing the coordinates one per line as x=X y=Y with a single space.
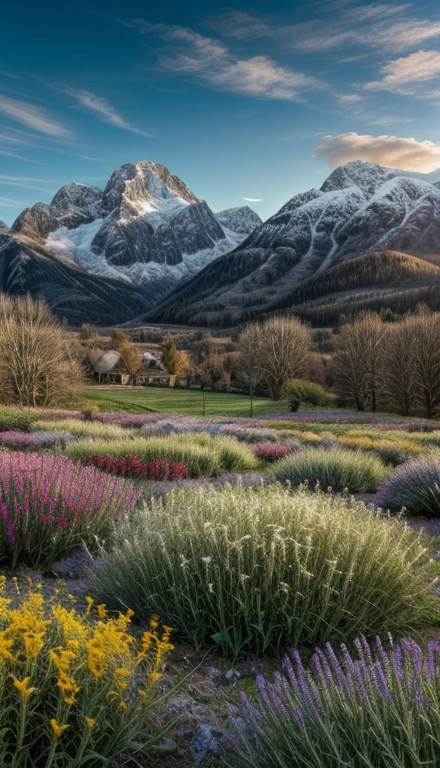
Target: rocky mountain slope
x=146 y=230
x=361 y=208
x=70 y=291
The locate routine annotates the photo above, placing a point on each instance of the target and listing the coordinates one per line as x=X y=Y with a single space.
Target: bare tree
x=400 y=366
x=38 y=363
x=249 y=363
x=273 y=352
x=128 y=352
x=358 y=360
x=425 y=335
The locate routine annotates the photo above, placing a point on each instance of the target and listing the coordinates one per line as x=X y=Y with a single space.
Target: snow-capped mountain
x=242 y=220
x=360 y=208
x=146 y=228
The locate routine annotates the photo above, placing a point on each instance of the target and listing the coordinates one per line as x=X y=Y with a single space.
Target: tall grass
x=260 y=570
x=85 y=428
x=203 y=455
x=337 y=469
x=414 y=486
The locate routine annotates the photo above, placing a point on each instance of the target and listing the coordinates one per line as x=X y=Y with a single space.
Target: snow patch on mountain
x=76 y=245
x=161 y=210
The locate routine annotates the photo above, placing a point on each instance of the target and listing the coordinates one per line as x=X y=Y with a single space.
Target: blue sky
x=246 y=100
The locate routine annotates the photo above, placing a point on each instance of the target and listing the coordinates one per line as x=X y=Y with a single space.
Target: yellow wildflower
x=57 y=728
x=90 y=722
x=23 y=688
x=89 y=601
x=154 y=622
x=6 y=645
x=153 y=677
x=102 y=613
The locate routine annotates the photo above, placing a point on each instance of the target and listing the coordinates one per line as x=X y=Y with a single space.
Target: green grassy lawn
x=185 y=401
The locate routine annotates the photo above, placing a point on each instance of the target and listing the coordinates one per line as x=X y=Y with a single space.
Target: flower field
x=237 y=592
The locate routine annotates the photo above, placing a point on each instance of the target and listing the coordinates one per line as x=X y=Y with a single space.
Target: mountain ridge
x=360 y=208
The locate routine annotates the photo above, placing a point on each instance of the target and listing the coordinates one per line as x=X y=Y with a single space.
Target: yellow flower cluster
x=92 y=660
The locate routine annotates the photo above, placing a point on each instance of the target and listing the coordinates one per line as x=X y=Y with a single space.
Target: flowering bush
x=16 y=440
x=415 y=486
x=76 y=689
x=272 y=451
x=391 y=451
x=49 y=507
x=132 y=466
x=337 y=469
x=249 y=434
x=203 y=455
x=126 y=420
x=56 y=414
x=262 y=570
x=51 y=438
x=379 y=707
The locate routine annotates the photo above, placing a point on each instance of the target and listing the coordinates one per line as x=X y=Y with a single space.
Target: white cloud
x=33 y=117
x=102 y=108
x=211 y=62
x=406 y=154
x=348 y=99
x=406 y=73
x=253 y=199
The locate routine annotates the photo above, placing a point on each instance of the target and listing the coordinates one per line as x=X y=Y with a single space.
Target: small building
x=150 y=362
x=109 y=367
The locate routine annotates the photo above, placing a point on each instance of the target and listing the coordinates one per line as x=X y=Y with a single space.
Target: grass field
x=191 y=402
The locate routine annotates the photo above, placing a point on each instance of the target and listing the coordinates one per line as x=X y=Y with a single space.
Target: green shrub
x=203 y=455
x=336 y=469
x=85 y=428
x=297 y=391
x=259 y=570
x=415 y=486
x=16 y=418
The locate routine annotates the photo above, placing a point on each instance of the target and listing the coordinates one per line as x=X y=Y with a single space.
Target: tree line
x=373 y=364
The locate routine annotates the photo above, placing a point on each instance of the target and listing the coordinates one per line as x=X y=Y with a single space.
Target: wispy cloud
x=406 y=154
x=9 y=202
x=16 y=156
x=102 y=109
x=383 y=26
x=403 y=75
x=25 y=182
x=32 y=117
x=348 y=99
x=240 y=25
x=211 y=63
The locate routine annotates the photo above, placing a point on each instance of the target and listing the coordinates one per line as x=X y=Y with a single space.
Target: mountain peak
x=133 y=186
x=241 y=219
x=358 y=173
x=77 y=196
